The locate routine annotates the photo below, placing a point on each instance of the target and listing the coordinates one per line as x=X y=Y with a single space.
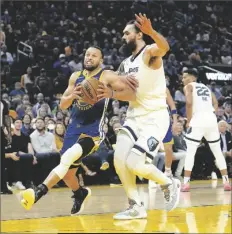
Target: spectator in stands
x=43 y=84
x=6 y=98
x=220 y=113
x=228 y=113
x=40 y=101
x=215 y=90
x=18 y=90
x=59 y=135
x=42 y=141
x=226 y=139
x=59 y=116
x=20 y=158
x=27 y=128
x=60 y=82
x=75 y=64
x=42 y=111
x=66 y=121
x=27 y=80
x=7 y=56
x=44 y=144
x=62 y=65
x=226 y=57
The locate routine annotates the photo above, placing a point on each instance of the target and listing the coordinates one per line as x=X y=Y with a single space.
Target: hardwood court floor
x=203 y=210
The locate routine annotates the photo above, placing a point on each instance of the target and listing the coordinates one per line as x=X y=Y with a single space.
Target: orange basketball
x=89 y=90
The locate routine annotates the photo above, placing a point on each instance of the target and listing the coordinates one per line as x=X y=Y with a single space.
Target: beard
x=127 y=48
x=40 y=129
x=90 y=67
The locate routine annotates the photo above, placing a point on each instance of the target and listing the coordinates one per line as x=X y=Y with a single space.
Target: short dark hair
x=192 y=72
x=39 y=118
x=16 y=119
x=133 y=22
x=99 y=48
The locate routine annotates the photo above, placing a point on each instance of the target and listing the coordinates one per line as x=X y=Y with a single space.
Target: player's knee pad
x=87 y=145
x=67 y=159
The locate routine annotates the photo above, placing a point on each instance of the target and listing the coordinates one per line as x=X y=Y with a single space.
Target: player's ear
x=101 y=61
x=140 y=35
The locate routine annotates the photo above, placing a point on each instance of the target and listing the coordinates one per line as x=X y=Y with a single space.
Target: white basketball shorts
x=203 y=125
x=148 y=131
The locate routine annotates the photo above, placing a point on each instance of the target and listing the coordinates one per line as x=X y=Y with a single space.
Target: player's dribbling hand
x=77 y=92
x=143 y=23
x=132 y=82
x=104 y=91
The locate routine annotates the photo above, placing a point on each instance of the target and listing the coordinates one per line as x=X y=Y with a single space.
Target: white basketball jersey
x=151 y=93
x=202 y=98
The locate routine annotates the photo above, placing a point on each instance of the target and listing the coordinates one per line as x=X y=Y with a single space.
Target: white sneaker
x=133 y=212
x=213 y=176
x=152 y=184
x=18 y=185
x=171 y=194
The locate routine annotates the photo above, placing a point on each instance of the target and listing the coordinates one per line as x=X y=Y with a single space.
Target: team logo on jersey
x=83 y=106
x=152 y=143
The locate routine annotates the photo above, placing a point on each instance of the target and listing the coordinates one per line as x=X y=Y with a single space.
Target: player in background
x=201 y=105
x=85 y=130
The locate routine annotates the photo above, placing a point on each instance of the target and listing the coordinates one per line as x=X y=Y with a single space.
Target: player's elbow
x=62 y=105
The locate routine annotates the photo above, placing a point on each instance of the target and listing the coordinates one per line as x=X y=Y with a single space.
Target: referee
x=5 y=140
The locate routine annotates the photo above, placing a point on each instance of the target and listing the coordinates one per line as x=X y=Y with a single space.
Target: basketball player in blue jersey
x=168 y=139
x=85 y=130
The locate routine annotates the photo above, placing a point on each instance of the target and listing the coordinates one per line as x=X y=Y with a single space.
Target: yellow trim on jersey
x=76 y=75
x=171 y=142
x=85 y=73
x=100 y=78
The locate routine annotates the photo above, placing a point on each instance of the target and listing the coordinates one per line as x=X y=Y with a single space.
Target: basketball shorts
x=71 y=140
x=203 y=125
x=148 y=131
x=168 y=139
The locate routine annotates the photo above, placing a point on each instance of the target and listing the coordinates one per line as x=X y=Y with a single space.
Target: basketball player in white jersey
x=202 y=122
x=147 y=118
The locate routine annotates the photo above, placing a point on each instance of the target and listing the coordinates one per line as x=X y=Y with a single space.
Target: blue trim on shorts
x=169 y=137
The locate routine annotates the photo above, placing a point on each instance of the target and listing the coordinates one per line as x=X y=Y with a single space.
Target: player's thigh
x=69 y=141
x=153 y=129
x=212 y=134
x=131 y=128
x=124 y=144
x=194 y=135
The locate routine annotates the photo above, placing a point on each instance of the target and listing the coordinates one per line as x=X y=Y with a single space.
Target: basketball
x=89 y=90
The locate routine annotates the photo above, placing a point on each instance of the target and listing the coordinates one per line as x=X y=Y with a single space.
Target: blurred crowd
x=57 y=35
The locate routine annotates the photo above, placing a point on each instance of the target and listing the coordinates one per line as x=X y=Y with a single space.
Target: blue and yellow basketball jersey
x=86 y=118
x=168 y=139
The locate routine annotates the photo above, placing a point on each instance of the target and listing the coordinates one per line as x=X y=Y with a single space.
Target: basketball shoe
x=80 y=197
x=171 y=194
x=133 y=212
x=32 y=195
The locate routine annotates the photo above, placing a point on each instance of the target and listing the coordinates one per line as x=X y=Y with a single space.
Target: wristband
x=174 y=112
